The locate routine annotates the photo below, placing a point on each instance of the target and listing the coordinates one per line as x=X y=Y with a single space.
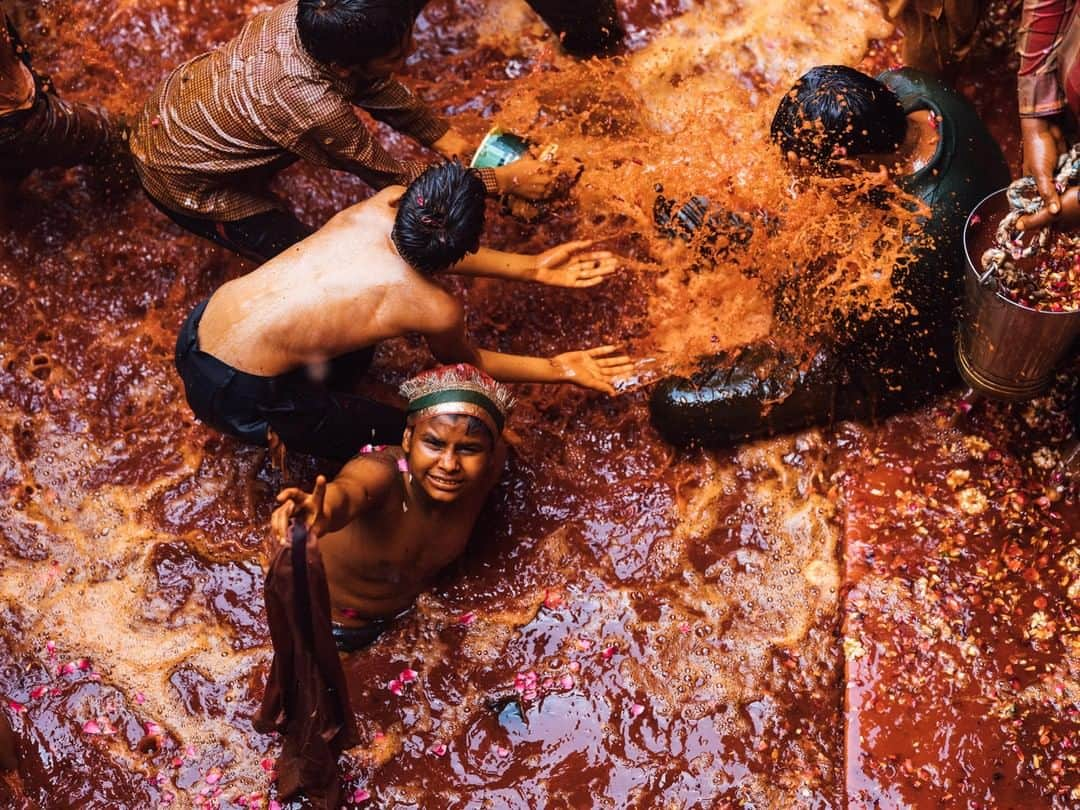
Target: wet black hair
x=833 y=107
x=351 y=32
x=440 y=217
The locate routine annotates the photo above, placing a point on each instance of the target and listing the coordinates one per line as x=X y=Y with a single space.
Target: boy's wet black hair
x=833 y=108
x=349 y=33
x=440 y=217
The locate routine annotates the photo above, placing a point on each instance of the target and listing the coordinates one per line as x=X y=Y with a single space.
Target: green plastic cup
x=498 y=148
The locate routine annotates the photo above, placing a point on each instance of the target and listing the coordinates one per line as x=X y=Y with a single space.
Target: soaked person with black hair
x=219 y=127
x=911 y=129
x=282 y=348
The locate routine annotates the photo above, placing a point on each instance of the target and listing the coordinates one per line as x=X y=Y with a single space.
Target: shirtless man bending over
x=280 y=348
x=396 y=516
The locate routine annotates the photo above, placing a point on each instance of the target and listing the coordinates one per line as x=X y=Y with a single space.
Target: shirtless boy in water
x=396 y=516
x=280 y=348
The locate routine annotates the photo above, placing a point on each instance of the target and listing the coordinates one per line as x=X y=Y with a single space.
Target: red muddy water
x=832 y=619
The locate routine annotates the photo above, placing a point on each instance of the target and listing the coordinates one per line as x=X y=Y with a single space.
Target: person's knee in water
x=38 y=129
x=247 y=369
x=396 y=516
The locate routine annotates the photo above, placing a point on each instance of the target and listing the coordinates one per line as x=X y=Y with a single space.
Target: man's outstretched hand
x=529 y=178
x=1043 y=144
x=565 y=266
x=295 y=503
x=597 y=368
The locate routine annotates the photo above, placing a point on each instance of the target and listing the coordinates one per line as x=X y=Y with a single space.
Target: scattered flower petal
x=636 y=709
x=395 y=687
x=439 y=749
x=360 y=795
x=552 y=599
x=610 y=651
x=567 y=682
x=214 y=776
x=267 y=764
x=91 y=727
x=467 y=618
x=38 y=692
x=15 y=706
x=501 y=752
x=407 y=675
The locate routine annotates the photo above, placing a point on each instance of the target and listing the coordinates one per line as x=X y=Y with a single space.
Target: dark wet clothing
x=307 y=698
x=584 y=27
x=53 y=132
x=310 y=416
x=9 y=759
x=351 y=639
x=878 y=365
x=258 y=238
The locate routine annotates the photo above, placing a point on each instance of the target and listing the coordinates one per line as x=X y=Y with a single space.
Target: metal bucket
x=1005 y=350
x=498 y=148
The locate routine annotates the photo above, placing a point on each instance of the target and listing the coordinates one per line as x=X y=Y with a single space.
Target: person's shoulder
x=378 y=469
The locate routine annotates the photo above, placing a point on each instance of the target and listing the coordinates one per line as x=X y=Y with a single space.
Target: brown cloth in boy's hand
x=306 y=698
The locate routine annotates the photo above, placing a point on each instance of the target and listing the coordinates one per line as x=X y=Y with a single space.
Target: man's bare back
x=343 y=288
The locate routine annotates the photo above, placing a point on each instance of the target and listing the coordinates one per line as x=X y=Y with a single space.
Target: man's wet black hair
x=351 y=32
x=833 y=108
x=440 y=217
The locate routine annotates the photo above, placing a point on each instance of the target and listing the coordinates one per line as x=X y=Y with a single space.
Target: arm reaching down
x=360 y=486
x=597 y=368
x=564 y=265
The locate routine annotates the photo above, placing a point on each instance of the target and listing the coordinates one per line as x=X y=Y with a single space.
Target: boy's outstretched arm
x=597 y=368
x=361 y=485
x=564 y=265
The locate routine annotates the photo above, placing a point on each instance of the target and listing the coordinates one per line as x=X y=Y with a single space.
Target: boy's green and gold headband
x=459 y=390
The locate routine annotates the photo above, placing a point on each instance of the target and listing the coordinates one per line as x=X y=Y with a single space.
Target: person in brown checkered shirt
x=214 y=132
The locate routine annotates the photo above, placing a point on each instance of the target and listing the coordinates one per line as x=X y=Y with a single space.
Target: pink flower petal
x=214 y=776
x=274 y=805
x=379 y=736
x=140 y=698
x=610 y=651
x=152 y=727
x=15 y=706
x=407 y=675
x=395 y=687
x=360 y=795
x=38 y=692
x=266 y=764
x=574 y=666
x=636 y=709
x=584 y=644
x=467 y=618
x=50 y=648
x=552 y=599
x=502 y=752
x=167 y=798
x=91 y=727
x=439 y=749
x=68 y=668
x=566 y=681
x=83 y=664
